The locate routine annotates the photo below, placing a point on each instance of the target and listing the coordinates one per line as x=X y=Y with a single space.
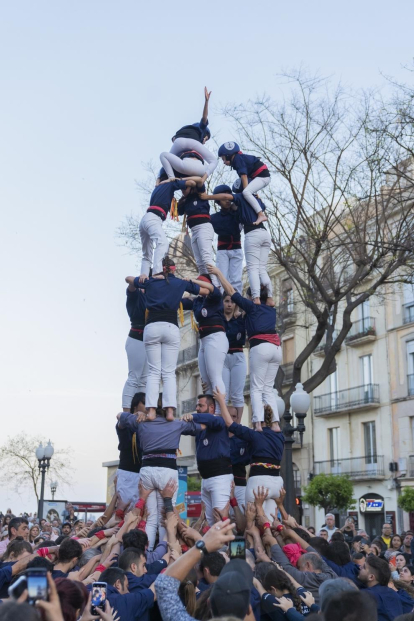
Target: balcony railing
x=408 y=312
x=362 y=329
x=410 y=384
x=344 y=400
x=366 y=467
x=286 y=314
x=188 y=354
x=188 y=405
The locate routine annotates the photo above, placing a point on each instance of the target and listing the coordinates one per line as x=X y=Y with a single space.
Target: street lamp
x=44 y=455
x=53 y=488
x=299 y=402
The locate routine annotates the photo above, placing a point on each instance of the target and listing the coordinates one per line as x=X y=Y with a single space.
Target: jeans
x=256 y=251
x=234 y=377
x=211 y=357
x=215 y=493
x=156 y=478
x=265 y=360
x=254 y=187
x=162 y=343
x=151 y=232
x=230 y=263
x=137 y=370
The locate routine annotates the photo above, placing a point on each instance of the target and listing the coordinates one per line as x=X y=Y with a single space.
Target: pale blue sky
x=90 y=90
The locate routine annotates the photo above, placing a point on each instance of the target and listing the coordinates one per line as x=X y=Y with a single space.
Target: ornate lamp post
x=299 y=402
x=53 y=488
x=44 y=455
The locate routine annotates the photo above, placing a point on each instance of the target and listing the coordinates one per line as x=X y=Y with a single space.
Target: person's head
x=407 y=539
x=205 y=404
x=47 y=527
x=114 y=576
x=401 y=560
x=312 y=530
x=168 y=267
x=87 y=555
x=33 y=533
x=320 y=544
x=223 y=189
x=229 y=305
x=211 y=566
x=39 y=540
x=55 y=523
x=337 y=536
x=12 y=611
x=323 y=533
x=187 y=592
x=66 y=528
x=407 y=573
x=227 y=151
x=396 y=542
x=358 y=558
x=18 y=527
x=380 y=545
x=264 y=294
x=375 y=571
x=339 y=553
x=135 y=538
x=386 y=530
x=310 y=562
x=352 y=606
x=363 y=533
x=330 y=520
x=332 y=588
x=349 y=523
x=18 y=549
x=73 y=598
x=7 y=519
x=356 y=544
x=278 y=583
x=40 y=561
x=133 y=560
x=230 y=594
x=233 y=413
x=70 y=552
x=138 y=402
x=42 y=523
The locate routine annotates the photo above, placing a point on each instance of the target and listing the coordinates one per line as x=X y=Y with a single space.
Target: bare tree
x=340 y=203
x=20 y=468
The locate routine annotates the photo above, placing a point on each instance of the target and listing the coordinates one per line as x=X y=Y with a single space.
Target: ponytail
x=268 y=416
x=187 y=592
x=168 y=267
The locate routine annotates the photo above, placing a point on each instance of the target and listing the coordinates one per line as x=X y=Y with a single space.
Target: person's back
x=352 y=606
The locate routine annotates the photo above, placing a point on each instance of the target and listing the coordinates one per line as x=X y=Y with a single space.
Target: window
x=288 y=351
x=297 y=480
x=367 y=373
x=333 y=388
x=364 y=315
x=408 y=308
x=289 y=300
x=370 y=443
x=410 y=367
x=334 y=443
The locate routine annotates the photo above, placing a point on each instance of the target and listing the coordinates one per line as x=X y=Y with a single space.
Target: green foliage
x=406 y=500
x=329 y=492
x=193 y=484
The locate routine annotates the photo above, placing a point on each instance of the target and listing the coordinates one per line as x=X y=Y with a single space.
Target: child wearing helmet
x=229 y=258
x=188 y=155
x=254 y=174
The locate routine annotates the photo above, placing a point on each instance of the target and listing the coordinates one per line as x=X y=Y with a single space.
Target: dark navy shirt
x=129 y=460
x=165 y=295
x=135 y=305
x=266 y=443
x=163 y=194
x=245 y=164
x=196 y=131
x=245 y=214
x=236 y=332
x=239 y=451
x=208 y=312
x=213 y=442
x=260 y=318
x=196 y=210
x=131 y=606
x=226 y=225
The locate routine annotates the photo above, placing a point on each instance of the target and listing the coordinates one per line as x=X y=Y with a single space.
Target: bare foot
x=256 y=300
x=270 y=302
x=151 y=413
x=170 y=414
x=261 y=218
x=258 y=426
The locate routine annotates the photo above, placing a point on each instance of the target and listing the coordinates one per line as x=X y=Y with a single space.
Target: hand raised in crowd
x=290 y=522
x=219 y=535
x=250 y=512
x=143 y=491
x=170 y=488
x=261 y=520
x=221 y=514
x=276 y=521
x=307 y=598
x=109 y=614
x=282 y=495
x=260 y=495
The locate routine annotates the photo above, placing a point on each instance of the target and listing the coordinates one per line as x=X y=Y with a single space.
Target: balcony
x=357 y=398
x=362 y=331
x=356 y=468
x=286 y=315
x=188 y=355
x=410 y=385
x=188 y=405
x=408 y=312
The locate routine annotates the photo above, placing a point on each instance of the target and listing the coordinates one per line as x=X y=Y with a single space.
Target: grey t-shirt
x=159 y=434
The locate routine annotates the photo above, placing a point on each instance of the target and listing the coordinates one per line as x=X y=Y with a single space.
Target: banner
x=182 y=490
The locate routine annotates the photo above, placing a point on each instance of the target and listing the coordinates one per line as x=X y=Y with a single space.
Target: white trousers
x=211 y=357
x=127 y=485
x=202 y=245
x=234 y=377
x=256 y=251
x=230 y=264
x=152 y=233
x=215 y=493
x=254 y=187
x=156 y=478
x=137 y=370
x=188 y=166
x=162 y=343
x=273 y=484
x=265 y=360
x=240 y=494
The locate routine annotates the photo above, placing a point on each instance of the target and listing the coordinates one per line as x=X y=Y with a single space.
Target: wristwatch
x=200 y=545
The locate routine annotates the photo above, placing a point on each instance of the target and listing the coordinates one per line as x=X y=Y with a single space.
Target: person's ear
x=118 y=585
x=133 y=567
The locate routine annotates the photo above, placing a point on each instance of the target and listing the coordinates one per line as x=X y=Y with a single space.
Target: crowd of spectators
x=287 y=573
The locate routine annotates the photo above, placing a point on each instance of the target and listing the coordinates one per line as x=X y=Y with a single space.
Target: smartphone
x=36 y=584
x=238 y=548
x=393 y=562
x=17 y=588
x=98 y=596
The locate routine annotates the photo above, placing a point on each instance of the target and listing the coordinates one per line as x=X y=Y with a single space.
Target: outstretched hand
x=207 y=94
x=212 y=269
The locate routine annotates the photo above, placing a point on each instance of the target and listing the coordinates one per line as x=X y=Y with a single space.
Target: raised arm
x=223 y=407
x=215 y=197
x=228 y=288
x=204 y=118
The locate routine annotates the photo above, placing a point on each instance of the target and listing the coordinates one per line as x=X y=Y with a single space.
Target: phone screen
x=37 y=587
x=393 y=561
x=98 y=596
x=238 y=548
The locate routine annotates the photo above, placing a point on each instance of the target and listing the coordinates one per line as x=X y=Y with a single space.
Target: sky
x=90 y=91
